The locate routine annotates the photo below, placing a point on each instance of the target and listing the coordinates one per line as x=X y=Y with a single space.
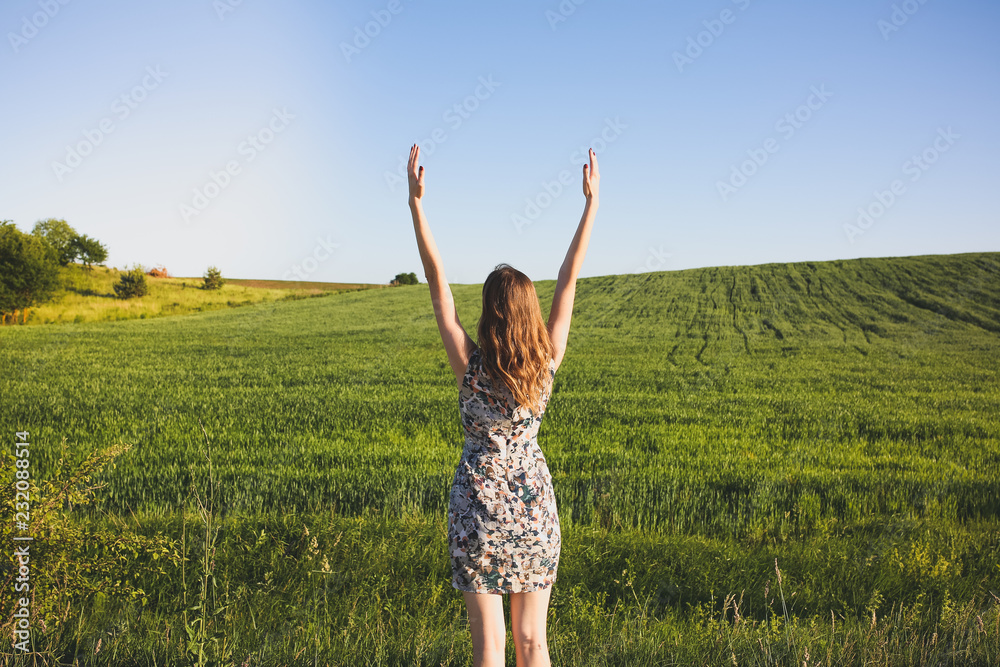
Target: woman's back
x=503 y=525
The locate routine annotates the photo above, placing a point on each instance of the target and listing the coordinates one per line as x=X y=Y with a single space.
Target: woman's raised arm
x=562 y=300
x=457 y=342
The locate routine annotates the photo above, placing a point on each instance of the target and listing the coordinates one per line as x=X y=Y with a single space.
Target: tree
x=132 y=283
x=88 y=250
x=59 y=235
x=405 y=279
x=29 y=270
x=213 y=278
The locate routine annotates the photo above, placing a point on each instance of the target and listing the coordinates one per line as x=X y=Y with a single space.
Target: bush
x=73 y=562
x=132 y=283
x=405 y=279
x=213 y=278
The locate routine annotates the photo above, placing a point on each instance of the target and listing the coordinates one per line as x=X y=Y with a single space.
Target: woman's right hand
x=591 y=178
x=415 y=176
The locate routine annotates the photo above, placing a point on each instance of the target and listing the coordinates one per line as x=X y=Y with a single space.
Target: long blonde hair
x=513 y=338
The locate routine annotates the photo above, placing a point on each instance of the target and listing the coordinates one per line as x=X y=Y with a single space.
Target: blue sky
x=264 y=137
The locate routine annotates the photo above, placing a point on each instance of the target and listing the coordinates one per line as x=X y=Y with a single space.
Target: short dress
x=503 y=527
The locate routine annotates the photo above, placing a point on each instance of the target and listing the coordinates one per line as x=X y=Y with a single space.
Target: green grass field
x=834 y=421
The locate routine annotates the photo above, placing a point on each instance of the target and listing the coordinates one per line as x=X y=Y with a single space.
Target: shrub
x=405 y=279
x=74 y=563
x=213 y=278
x=132 y=283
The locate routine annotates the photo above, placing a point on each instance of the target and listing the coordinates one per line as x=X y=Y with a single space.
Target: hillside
x=704 y=313
x=88 y=296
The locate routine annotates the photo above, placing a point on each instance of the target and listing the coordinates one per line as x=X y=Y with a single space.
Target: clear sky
x=264 y=137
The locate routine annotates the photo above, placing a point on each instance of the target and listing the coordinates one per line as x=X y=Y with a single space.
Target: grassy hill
x=837 y=419
x=88 y=296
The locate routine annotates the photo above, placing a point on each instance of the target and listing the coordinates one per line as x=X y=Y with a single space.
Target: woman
x=503 y=528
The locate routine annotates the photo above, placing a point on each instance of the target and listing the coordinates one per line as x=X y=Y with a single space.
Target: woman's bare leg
x=488 y=631
x=528 y=615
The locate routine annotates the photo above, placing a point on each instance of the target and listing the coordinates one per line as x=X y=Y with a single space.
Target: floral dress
x=503 y=527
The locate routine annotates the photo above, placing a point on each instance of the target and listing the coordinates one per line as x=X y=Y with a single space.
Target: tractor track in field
x=845 y=315
x=732 y=302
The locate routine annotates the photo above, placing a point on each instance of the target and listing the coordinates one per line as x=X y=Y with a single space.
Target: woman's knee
x=490 y=639
x=530 y=640
x=529 y=631
x=529 y=613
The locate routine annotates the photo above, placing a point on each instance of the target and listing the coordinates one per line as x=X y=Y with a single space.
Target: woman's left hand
x=416 y=177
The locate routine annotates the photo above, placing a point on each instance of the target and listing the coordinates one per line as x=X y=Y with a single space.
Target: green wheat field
x=782 y=464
